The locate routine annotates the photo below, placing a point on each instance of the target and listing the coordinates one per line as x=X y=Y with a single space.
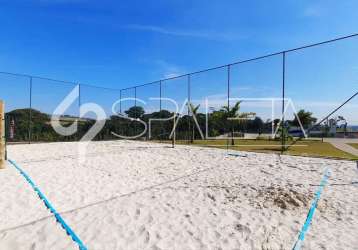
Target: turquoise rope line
x=237 y=155
x=309 y=218
x=58 y=217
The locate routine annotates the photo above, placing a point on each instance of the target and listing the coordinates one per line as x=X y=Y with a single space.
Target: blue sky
x=118 y=44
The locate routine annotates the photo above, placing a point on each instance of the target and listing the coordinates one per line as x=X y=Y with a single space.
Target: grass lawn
x=302 y=148
x=354 y=145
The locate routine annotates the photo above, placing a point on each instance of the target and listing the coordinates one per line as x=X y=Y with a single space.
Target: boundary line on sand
x=58 y=217
x=307 y=224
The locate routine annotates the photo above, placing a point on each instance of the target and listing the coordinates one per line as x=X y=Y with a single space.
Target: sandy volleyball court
x=138 y=195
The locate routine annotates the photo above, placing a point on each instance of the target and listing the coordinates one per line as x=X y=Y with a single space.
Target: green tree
x=135 y=112
x=305 y=117
x=233 y=114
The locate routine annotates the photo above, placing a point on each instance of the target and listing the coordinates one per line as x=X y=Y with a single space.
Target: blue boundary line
x=236 y=155
x=58 y=217
x=309 y=218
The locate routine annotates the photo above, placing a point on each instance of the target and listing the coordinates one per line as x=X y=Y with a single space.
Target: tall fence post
x=135 y=98
x=79 y=111
x=2 y=135
x=160 y=95
x=174 y=132
x=120 y=103
x=190 y=134
x=135 y=108
x=283 y=132
x=121 y=128
x=30 y=112
x=228 y=107
x=160 y=110
x=79 y=97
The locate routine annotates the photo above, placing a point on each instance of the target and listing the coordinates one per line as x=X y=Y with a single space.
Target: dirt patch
x=283 y=198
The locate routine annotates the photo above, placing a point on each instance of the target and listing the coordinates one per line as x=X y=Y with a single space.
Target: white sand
x=136 y=195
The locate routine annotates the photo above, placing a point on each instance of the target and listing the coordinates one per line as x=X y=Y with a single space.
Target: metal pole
x=135 y=106
x=2 y=135
x=160 y=110
x=174 y=134
x=121 y=127
x=190 y=135
x=79 y=96
x=228 y=86
x=30 y=113
x=283 y=139
x=79 y=111
x=228 y=103
x=135 y=98
x=334 y=111
x=120 y=103
x=160 y=95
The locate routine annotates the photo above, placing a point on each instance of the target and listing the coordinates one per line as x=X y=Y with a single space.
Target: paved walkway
x=342 y=144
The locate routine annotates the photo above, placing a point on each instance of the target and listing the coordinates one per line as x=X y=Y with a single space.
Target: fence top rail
x=37 y=77
x=195 y=72
x=254 y=58
x=98 y=87
x=142 y=85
